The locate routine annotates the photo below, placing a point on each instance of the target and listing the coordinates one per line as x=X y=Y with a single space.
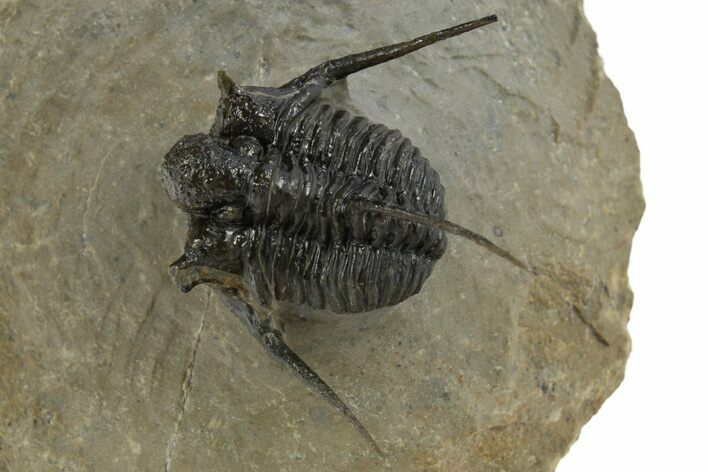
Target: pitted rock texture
x=105 y=365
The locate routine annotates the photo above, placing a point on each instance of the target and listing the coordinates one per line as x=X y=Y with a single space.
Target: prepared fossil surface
x=291 y=200
x=104 y=365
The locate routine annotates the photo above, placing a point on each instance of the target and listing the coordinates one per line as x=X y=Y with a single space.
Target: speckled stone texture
x=106 y=366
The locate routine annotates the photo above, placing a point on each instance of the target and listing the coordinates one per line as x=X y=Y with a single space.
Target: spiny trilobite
x=291 y=200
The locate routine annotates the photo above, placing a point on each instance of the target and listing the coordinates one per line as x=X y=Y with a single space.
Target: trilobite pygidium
x=293 y=201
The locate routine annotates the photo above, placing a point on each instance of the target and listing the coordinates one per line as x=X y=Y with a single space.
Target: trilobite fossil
x=292 y=201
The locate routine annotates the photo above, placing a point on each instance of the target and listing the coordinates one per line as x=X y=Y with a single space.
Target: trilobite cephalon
x=293 y=201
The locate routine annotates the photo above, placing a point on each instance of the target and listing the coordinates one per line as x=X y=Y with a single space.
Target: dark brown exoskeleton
x=292 y=201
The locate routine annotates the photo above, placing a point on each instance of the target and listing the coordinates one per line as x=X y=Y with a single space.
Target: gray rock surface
x=105 y=365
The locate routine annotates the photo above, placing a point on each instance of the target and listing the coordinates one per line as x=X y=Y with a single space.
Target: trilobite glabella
x=293 y=201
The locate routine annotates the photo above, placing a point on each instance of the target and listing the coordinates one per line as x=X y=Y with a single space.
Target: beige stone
x=105 y=365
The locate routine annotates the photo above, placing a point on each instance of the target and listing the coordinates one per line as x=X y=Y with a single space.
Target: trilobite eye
x=248 y=146
x=229 y=214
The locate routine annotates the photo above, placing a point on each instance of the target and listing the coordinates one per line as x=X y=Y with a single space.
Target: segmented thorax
x=318 y=249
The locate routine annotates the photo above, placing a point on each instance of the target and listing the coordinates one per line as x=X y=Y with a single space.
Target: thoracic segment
x=338 y=141
x=316 y=204
x=331 y=157
x=347 y=278
x=312 y=248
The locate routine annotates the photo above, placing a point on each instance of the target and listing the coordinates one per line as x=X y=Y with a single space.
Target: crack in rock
x=89 y=200
x=186 y=389
x=558 y=283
